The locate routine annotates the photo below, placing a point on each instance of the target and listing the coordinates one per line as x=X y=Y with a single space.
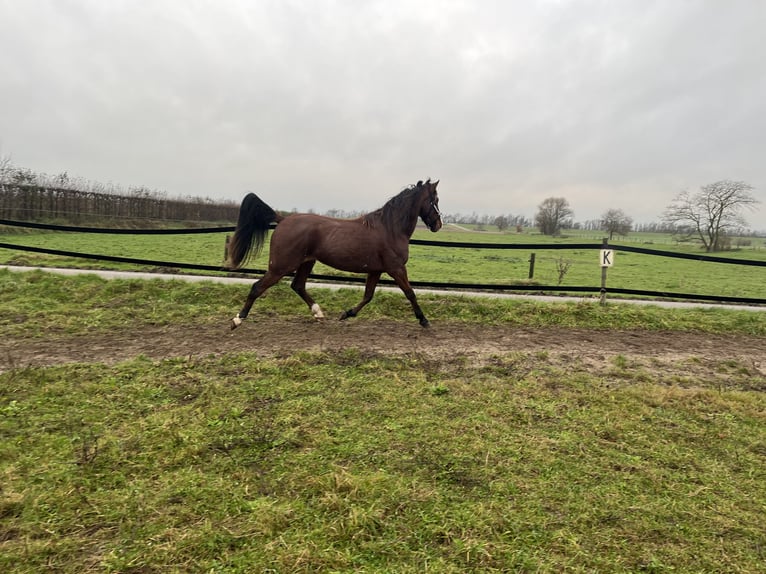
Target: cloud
x=341 y=104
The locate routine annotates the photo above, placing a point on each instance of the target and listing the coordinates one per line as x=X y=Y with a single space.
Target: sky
x=340 y=104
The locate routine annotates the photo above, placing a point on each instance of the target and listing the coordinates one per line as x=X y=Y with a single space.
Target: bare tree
x=713 y=213
x=6 y=167
x=486 y=220
x=502 y=222
x=615 y=221
x=553 y=214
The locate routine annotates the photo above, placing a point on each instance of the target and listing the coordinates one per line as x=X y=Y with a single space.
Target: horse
x=375 y=243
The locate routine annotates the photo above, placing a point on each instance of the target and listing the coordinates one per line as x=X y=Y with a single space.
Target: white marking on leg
x=237 y=321
x=316 y=310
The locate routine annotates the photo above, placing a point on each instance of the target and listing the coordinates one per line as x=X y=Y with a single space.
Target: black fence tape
x=113 y=258
x=115 y=231
x=421 y=284
x=467 y=245
x=707 y=258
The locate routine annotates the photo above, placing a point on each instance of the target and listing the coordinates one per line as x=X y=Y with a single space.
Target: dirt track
x=279 y=337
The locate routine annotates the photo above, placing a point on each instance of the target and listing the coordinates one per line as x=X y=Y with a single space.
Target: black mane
x=396 y=213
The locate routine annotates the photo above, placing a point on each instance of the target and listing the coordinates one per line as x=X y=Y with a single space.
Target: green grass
x=88 y=303
x=354 y=463
x=449 y=265
x=202 y=249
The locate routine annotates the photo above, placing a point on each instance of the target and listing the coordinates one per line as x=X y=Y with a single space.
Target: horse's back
x=310 y=227
x=346 y=244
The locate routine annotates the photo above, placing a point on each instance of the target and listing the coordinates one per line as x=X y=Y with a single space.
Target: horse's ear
x=419 y=184
x=436 y=183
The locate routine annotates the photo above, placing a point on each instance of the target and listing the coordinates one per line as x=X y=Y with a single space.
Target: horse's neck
x=393 y=225
x=402 y=225
x=411 y=227
x=413 y=219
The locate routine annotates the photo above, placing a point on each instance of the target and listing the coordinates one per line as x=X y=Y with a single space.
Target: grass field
x=449 y=265
x=82 y=304
x=347 y=461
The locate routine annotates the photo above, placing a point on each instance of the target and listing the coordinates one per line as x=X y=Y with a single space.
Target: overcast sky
x=340 y=104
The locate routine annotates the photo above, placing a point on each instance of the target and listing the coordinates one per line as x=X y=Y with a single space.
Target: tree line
x=27 y=202
x=27 y=196
x=710 y=216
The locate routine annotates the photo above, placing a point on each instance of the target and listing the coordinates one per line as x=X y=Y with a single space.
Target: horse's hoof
x=235 y=322
x=316 y=311
x=425 y=323
x=346 y=314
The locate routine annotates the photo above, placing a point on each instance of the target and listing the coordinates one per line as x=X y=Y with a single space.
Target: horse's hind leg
x=369 y=291
x=269 y=279
x=299 y=286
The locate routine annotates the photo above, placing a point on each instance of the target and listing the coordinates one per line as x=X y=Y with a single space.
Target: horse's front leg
x=400 y=276
x=369 y=291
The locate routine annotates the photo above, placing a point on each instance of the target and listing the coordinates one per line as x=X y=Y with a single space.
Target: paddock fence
x=32 y=202
x=451 y=286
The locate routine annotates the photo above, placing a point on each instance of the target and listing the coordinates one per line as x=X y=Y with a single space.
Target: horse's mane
x=396 y=213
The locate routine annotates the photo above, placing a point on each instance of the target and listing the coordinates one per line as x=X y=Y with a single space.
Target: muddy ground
x=663 y=351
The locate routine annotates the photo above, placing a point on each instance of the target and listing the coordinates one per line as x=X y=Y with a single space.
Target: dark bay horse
x=375 y=243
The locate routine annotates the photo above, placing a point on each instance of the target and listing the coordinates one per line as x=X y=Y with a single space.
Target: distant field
x=574 y=267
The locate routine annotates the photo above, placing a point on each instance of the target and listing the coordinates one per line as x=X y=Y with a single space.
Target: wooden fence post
x=604 y=249
x=531 y=265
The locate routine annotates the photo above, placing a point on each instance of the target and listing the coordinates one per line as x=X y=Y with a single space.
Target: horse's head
x=429 y=205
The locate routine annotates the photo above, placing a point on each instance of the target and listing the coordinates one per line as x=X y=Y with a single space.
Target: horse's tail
x=255 y=218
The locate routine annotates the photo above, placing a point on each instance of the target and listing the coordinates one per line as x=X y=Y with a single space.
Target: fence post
x=226 y=248
x=604 y=246
x=531 y=265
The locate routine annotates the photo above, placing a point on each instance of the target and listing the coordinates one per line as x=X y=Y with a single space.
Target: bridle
x=433 y=209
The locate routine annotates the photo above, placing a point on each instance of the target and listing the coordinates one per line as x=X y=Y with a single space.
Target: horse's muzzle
x=435 y=226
